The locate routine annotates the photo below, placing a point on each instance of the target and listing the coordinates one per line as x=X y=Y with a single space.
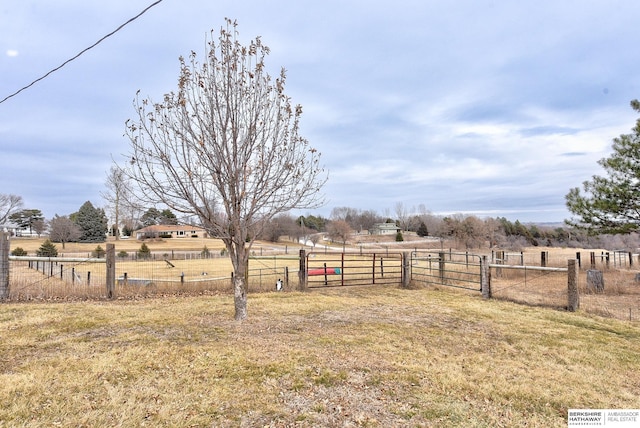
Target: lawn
x=353 y=356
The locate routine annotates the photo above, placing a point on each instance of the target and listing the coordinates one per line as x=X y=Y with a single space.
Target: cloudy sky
x=485 y=107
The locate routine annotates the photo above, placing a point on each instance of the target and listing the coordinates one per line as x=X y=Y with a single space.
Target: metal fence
x=459 y=270
x=30 y=277
x=326 y=269
x=529 y=278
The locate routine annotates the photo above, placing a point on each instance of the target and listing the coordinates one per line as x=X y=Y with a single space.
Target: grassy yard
x=370 y=356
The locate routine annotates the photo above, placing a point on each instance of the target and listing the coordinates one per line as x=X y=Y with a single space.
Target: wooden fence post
x=406 y=269
x=4 y=265
x=485 y=280
x=111 y=270
x=441 y=267
x=572 y=286
x=302 y=273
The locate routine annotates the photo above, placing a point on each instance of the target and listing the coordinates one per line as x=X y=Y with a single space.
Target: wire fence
x=77 y=278
x=529 y=278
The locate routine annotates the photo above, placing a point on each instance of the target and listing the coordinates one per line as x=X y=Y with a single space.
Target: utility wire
x=81 y=52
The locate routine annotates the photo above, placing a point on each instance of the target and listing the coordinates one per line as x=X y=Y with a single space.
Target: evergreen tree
x=422 y=230
x=27 y=218
x=47 y=249
x=144 y=252
x=98 y=252
x=93 y=223
x=611 y=204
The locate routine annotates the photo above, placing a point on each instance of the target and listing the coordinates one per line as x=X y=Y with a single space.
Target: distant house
x=11 y=228
x=173 y=231
x=384 y=229
x=16 y=230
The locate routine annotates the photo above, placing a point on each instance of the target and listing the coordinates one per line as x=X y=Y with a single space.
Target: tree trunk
x=240 y=260
x=240 y=296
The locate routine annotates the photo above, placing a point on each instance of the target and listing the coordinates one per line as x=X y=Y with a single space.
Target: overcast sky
x=492 y=108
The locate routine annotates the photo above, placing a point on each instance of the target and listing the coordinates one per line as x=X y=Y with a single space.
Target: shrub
x=422 y=230
x=205 y=253
x=399 y=237
x=123 y=254
x=47 y=249
x=99 y=252
x=144 y=252
x=18 y=251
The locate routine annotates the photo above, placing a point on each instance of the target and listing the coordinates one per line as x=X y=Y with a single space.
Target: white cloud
x=483 y=106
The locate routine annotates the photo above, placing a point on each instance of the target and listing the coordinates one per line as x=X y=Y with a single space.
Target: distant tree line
x=459 y=231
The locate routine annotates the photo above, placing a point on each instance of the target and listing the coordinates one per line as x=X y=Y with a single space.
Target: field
x=356 y=356
x=189 y=274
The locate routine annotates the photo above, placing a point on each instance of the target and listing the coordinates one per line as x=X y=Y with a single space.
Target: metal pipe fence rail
x=328 y=269
x=458 y=270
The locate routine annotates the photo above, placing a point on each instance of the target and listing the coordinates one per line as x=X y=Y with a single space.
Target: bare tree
x=63 y=229
x=39 y=226
x=402 y=215
x=339 y=230
x=226 y=149
x=118 y=195
x=8 y=205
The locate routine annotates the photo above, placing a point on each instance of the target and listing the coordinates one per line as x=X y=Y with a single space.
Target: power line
x=81 y=52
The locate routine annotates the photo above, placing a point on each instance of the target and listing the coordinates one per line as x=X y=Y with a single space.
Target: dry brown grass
x=370 y=356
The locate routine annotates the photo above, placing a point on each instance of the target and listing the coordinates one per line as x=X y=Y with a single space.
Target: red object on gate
x=323 y=271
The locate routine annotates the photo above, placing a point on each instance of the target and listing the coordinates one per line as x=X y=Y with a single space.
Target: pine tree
x=144 y=252
x=612 y=204
x=93 y=223
x=47 y=249
x=422 y=230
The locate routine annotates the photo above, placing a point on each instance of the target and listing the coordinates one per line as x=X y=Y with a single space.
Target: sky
x=480 y=107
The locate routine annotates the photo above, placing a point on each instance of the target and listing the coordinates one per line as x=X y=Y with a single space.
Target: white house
x=174 y=231
x=384 y=229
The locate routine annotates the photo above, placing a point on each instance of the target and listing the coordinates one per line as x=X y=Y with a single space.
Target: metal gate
x=364 y=268
x=460 y=270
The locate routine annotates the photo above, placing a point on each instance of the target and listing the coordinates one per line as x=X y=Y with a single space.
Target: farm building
x=384 y=229
x=173 y=231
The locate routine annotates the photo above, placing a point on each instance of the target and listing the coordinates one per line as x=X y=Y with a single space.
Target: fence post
x=441 y=265
x=302 y=273
x=485 y=281
x=543 y=258
x=4 y=265
x=406 y=269
x=111 y=270
x=572 y=286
